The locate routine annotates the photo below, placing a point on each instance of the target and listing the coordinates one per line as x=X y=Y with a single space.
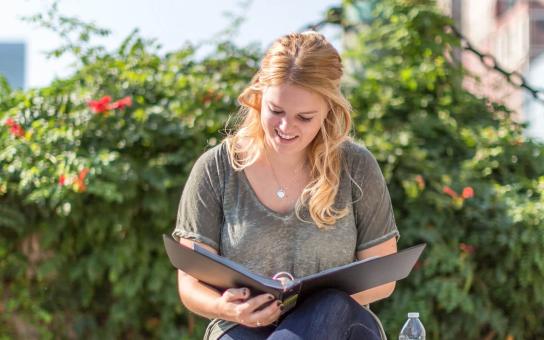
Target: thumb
x=233 y=294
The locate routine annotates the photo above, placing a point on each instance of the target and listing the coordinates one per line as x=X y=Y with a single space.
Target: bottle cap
x=413 y=315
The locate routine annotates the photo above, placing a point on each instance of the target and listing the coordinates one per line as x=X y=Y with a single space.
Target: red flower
x=79 y=181
x=468 y=192
x=14 y=128
x=210 y=96
x=104 y=104
x=9 y=122
x=449 y=191
x=17 y=130
x=101 y=105
x=122 y=103
x=420 y=182
x=466 y=248
x=80 y=186
x=83 y=173
x=62 y=180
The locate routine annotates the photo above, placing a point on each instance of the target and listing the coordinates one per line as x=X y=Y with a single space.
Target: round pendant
x=280 y=193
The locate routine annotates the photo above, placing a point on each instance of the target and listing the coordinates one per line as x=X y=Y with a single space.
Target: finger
x=284 y=281
x=234 y=294
x=267 y=315
x=258 y=301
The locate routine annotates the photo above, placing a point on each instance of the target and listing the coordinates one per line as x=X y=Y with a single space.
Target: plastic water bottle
x=413 y=328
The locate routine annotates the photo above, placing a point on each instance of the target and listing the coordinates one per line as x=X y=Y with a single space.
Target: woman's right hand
x=236 y=305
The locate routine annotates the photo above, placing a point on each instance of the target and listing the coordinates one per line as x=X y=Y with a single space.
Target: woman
x=288 y=191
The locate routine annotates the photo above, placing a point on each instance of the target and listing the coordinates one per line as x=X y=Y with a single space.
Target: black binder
x=222 y=273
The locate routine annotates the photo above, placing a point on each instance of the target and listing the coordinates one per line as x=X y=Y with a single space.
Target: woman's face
x=291 y=117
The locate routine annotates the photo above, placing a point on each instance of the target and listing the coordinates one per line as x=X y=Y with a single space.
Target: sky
x=171 y=22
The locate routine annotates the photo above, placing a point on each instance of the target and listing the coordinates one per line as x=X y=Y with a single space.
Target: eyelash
x=304 y=119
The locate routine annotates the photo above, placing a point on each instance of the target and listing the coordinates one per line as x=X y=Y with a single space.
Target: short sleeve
x=200 y=211
x=372 y=208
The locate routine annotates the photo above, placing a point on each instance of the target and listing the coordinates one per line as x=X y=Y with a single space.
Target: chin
x=288 y=149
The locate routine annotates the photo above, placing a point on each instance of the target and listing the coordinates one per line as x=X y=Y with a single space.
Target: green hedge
x=88 y=184
x=87 y=188
x=482 y=274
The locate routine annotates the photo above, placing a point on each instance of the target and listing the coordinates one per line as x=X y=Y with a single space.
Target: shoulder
x=214 y=156
x=209 y=171
x=361 y=163
x=356 y=154
x=212 y=165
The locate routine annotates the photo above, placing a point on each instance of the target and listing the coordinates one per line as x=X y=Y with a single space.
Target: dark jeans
x=331 y=314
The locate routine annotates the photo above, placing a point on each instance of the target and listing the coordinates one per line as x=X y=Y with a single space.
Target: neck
x=293 y=162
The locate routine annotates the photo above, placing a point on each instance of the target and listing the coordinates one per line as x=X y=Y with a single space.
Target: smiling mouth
x=285 y=136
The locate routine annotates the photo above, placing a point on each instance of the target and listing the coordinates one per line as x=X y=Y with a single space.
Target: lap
x=330 y=314
x=245 y=333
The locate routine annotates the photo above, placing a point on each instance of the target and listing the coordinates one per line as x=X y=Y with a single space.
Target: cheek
x=268 y=120
x=314 y=132
x=267 y=123
x=313 y=129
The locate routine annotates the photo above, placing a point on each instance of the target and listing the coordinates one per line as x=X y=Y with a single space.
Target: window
x=503 y=6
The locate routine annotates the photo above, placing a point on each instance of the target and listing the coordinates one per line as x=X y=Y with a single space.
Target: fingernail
x=270 y=297
x=246 y=291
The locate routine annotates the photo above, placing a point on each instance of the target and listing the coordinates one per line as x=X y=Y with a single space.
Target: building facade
x=513 y=32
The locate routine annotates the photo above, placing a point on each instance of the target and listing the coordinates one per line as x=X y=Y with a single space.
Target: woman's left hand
x=237 y=305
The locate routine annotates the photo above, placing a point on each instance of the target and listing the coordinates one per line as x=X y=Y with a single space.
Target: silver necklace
x=281 y=192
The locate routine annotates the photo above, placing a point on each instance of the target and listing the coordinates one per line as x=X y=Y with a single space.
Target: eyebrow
x=300 y=113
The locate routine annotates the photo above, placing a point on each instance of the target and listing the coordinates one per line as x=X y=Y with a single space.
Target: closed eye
x=302 y=118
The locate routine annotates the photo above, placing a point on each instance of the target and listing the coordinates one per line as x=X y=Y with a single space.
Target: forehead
x=289 y=95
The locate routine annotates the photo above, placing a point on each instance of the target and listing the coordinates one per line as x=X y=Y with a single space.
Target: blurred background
x=105 y=106
x=170 y=22
x=510 y=30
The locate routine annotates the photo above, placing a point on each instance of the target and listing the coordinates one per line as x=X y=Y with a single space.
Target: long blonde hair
x=307 y=60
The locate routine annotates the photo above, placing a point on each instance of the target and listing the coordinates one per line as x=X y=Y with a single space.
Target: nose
x=285 y=123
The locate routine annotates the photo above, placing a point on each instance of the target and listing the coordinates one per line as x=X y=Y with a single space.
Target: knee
x=334 y=295
x=333 y=299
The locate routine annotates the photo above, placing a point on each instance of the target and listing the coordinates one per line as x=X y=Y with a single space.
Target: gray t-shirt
x=218 y=207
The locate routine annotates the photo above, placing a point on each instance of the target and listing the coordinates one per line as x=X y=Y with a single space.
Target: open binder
x=222 y=273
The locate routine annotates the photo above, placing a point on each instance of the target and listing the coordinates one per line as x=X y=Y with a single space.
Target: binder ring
x=283 y=274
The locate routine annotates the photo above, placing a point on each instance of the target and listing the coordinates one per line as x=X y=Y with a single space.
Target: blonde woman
x=288 y=191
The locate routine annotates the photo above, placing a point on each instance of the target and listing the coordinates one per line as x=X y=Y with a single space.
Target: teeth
x=284 y=136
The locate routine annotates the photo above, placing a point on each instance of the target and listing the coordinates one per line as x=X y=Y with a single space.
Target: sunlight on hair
x=307 y=60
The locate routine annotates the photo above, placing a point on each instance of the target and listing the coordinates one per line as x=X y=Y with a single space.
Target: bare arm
x=234 y=304
x=196 y=296
x=381 y=292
